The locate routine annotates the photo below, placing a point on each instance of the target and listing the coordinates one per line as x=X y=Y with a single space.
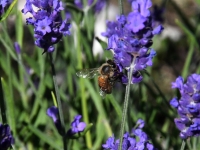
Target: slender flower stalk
x=61 y=117
x=183 y=145
x=120 y=2
x=126 y=101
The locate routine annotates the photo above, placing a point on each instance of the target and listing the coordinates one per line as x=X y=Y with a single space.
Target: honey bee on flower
x=108 y=73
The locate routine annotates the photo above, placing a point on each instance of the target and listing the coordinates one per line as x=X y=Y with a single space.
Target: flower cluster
x=188 y=106
x=130 y=141
x=6 y=138
x=76 y=125
x=130 y=38
x=99 y=5
x=47 y=21
x=3 y=5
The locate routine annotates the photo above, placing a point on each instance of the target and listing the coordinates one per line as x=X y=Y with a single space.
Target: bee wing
x=88 y=73
x=102 y=93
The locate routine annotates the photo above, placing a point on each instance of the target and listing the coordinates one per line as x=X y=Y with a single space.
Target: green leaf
x=44 y=137
x=41 y=116
x=2 y=103
x=19 y=28
x=77 y=14
x=190 y=34
x=116 y=106
x=9 y=106
x=8 y=47
x=33 y=64
x=100 y=134
x=103 y=44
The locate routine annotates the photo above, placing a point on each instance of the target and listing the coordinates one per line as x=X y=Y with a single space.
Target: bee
x=107 y=73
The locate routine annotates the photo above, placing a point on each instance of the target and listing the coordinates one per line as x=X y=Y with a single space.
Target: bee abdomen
x=104 y=84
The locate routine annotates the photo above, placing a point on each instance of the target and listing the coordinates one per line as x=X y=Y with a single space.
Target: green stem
x=188 y=59
x=183 y=145
x=10 y=106
x=126 y=100
x=82 y=88
x=61 y=117
x=120 y=2
x=21 y=78
x=2 y=104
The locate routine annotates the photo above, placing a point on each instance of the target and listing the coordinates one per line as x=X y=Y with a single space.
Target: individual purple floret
x=76 y=125
x=140 y=123
x=4 y=4
x=130 y=38
x=136 y=140
x=6 y=138
x=99 y=5
x=79 y=3
x=111 y=143
x=188 y=106
x=53 y=113
x=47 y=21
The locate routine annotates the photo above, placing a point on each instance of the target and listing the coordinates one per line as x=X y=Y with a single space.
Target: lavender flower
x=99 y=5
x=17 y=47
x=6 y=138
x=130 y=141
x=4 y=4
x=48 y=24
x=188 y=106
x=77 y=126
x=111 y=143
x=130 y=38
x=53 y=113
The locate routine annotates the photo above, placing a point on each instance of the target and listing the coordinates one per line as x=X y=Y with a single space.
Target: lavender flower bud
x=17 y=47
x=6 y=138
